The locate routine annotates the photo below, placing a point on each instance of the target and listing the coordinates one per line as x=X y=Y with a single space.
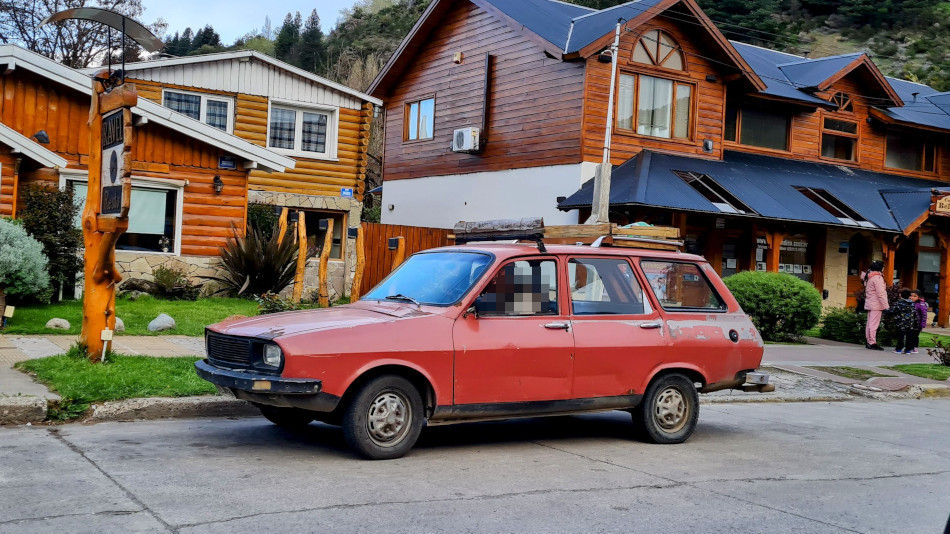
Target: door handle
x=558 y=326
x=651 y=326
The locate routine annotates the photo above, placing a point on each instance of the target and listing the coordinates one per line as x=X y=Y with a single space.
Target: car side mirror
x=477 y=307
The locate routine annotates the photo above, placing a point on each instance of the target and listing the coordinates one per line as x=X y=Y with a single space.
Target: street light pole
x=600 y=205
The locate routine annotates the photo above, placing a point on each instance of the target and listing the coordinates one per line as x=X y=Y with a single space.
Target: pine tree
x=312 y=49
x=288 y=39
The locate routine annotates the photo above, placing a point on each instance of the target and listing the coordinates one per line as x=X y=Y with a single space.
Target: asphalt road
x=860 y=466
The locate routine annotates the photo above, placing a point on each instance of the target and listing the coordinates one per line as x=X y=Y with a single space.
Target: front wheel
x=384 y=419
x=669 y=410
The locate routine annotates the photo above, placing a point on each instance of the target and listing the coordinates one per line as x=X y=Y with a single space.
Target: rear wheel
x=669 y=410
x=289 y=418
x=384 y=419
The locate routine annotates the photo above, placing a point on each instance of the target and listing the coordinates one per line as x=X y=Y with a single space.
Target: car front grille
x=230 y=351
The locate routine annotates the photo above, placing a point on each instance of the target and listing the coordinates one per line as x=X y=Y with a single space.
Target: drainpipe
x=600 y=206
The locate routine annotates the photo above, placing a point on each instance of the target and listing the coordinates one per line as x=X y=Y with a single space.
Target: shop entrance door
x=859 y=258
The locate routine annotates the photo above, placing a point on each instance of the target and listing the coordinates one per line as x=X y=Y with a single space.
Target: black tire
x=384 y=418
x=289 y=418
x=669 y=410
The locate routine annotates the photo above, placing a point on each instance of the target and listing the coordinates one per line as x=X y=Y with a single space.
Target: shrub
x=264 y=217
x=274 y=303
x=843 y=324
x=49 y=215
x=255 y=265
x=22 y=263
x=173 y=284
x=940 y=352
x=780 y=305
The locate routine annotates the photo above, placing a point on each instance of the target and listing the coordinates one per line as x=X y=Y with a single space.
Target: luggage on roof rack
x=533 y=229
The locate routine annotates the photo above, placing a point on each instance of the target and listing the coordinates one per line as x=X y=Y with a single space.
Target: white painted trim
x=203 y=106
x=227 y=56
x=333 y=122
x=145 y=182
x=29 y=148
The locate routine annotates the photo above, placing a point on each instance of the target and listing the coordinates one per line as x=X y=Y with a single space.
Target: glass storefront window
x=796 y=257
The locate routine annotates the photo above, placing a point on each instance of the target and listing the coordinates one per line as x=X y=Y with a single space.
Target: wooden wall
x=31 y=103
x=536 y=102
x=7 y=161
x=310 y=176
x=708 y=100
x=379 y=259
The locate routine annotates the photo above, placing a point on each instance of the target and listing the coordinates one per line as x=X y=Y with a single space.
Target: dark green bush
x=262 y=216
x=174 y=285
x=781 y=306
x=48 y=215
x=843 y=324
x=274 y=303
x=255 y=264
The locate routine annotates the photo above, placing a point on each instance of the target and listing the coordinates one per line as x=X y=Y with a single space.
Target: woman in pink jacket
x=875 y=302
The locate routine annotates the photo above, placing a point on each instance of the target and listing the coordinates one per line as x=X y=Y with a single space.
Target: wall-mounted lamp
x=292 y=217
x=392 y=207
x=323 y=224
x=352 y=233
x=605 y=56
x=457 y=58
x=711 y=78
x=708 y=146
x=218 y=185
x=41 y=137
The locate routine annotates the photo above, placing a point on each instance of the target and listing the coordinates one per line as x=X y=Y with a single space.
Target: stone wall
x=137 y=265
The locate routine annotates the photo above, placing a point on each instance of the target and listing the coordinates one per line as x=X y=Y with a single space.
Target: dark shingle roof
x=811 y=72
x=549 y=19
x=919 y=109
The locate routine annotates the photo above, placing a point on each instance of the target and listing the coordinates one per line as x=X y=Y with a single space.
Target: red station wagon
x=495 y=331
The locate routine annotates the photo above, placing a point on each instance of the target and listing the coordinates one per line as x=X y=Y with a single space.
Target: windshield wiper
x=400 y=296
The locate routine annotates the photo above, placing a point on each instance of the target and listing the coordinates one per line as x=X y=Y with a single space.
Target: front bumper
x=266 y=389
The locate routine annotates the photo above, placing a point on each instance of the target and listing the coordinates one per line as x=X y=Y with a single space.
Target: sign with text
x=346 y=191
x=941 y=206
x=113 y=163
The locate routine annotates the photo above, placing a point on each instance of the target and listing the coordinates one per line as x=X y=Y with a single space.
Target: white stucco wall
x=442 y=201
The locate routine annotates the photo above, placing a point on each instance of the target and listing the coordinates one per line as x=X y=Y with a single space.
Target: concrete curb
x=765 y=398
x=913 y=391
x=168 y=407
x=21 y=410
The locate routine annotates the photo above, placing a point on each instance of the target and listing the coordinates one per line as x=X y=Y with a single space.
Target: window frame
x=738 y=133
x=559 y=279
x=405 y=119
x=654 y=64
x=343 y=227
x=935 y=149
x=648 y=305
x=684 y=309
x=676 y=81
x=299 y=108
x=203 y=106
x=827 y=197
x=729 y=199
x=71 y=175
x=856 y=153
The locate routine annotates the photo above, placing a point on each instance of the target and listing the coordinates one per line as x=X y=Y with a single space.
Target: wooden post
x=102 y=230
x=887 y=251
x=301 y=256
x=943 y=294
x=360 y=266
x=400 y=254
x=282 y=225
x=324 y=291
x=774 y=240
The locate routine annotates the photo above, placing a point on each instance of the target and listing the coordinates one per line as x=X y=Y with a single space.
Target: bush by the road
x=843 y=324
x=781 y=306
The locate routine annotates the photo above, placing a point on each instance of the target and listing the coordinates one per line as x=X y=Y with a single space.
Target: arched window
x=656 y=47
x=843 y=102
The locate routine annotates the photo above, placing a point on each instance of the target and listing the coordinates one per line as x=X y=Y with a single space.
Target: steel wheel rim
x=389 y=418
x=671 y=411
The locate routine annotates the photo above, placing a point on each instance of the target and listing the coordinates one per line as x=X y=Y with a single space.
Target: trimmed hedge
x=781 y=306
x=843 y=324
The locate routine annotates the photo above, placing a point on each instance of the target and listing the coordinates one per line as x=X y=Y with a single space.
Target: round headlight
x=272 y=355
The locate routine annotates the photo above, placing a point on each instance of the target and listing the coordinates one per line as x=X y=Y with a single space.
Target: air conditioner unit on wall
x=466 y=140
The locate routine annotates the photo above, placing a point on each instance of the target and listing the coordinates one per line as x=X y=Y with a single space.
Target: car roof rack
x=596 y=235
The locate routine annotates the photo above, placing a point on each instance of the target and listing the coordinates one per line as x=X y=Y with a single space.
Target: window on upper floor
x=910 y=152
x=302 y=131
x=657 y=106
x=839 y=139
x=214 y=110
x=657 y=48
x=759 y=127
x=420 y=116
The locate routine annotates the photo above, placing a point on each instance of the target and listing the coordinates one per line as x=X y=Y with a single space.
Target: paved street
x=860 y=466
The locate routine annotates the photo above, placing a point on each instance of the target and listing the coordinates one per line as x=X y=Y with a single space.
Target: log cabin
x=190 y=180
x=322 y=125
x=764 y=160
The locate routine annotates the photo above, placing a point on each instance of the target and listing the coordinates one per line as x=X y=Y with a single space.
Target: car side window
x=681 y=286
x=605 y=286
x=522 y=287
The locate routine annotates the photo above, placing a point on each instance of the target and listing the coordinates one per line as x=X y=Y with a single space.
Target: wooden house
x=322 y=125
x=764 y=160
x=190 y=180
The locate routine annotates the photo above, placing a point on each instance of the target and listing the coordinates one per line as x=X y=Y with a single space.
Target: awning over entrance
x=764 y=187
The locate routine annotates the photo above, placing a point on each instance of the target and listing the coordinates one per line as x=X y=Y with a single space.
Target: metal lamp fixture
x=41 y=137
x=218 y=185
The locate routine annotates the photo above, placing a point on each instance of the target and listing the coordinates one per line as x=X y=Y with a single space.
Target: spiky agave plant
x=254 y=264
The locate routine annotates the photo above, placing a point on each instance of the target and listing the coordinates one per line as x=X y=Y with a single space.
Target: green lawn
x=850 y=372
x=191 y=317
x=80 y=382
x=933 y=371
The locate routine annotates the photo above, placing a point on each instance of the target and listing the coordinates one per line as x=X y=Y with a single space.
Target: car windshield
x=438 y=278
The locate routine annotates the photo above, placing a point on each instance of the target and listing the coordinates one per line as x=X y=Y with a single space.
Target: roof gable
x=822 y=73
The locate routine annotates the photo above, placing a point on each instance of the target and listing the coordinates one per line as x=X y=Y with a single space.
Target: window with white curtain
x=661 y=108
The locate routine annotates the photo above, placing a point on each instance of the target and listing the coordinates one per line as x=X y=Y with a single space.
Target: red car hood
x=299 y=322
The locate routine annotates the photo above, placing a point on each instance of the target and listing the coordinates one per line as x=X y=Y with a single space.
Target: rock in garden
x=119 y=325
x=134 y=295
x=57 y=324
x=161 y=323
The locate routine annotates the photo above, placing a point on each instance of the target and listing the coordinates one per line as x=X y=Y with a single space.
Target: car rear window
x=604 y=286
x=681 y=286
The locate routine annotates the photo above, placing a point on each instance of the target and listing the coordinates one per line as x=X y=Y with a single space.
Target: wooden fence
x=379 y=259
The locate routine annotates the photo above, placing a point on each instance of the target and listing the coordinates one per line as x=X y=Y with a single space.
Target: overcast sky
x=234 y=18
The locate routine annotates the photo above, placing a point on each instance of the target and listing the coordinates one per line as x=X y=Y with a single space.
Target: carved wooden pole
x=301 y=256
x=324 y=291
x=400 y=248
x=360 y=266
x=282 y=225
x=106 y=214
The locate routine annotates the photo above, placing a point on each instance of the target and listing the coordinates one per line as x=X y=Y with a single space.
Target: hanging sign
x=113 y=163
x=940 y=205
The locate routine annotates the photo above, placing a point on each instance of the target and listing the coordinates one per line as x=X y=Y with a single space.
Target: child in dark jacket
x=920 y=306
x=907 y=321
